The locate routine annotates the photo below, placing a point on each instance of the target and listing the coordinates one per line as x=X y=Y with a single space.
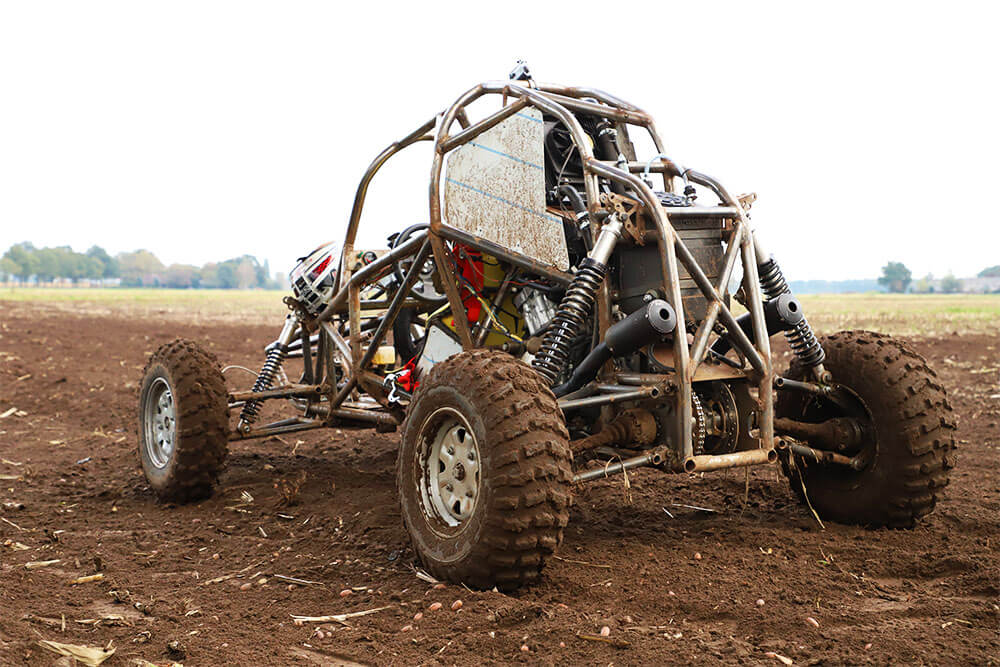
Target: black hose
x=575 y=200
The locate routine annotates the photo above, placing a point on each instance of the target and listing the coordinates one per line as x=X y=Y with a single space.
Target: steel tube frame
x=630 y=394
x=397 y=304
x=823 y=456
x=560 y=102
x=261 y=431
x=650 y=458
x=750 y=457
x=288 y=391
x=667 y=242
x=700 y=342
x=358 y=278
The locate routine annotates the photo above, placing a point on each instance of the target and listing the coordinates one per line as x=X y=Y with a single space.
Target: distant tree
x=950 y=284
x=895 y=276
x=93 y=268
x=25 y=257
x=181 y=276
x=246 y=274
x=210 y=275
x=991 y=272
x=49 y=266
x=9 y=267
x=227 y=275
x=237 y=273
x=109 y=266
x=140 y=268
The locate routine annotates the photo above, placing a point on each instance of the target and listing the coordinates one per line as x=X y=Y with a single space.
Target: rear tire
x=912 y=450
x=484 y=471
x=183 y=421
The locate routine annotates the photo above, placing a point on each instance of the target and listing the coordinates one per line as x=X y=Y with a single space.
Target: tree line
x=140 y=268
x=898 y=279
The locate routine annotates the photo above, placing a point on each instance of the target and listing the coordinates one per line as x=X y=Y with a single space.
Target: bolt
x=451 y=450
x=472 y=456
x=450 y=487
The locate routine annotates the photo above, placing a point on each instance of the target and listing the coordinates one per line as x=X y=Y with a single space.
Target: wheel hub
x=160 y=423
x=450 y=482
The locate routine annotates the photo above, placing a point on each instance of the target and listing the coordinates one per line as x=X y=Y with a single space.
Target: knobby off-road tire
x=912 y=449
x=183 y=421
x=498 y=409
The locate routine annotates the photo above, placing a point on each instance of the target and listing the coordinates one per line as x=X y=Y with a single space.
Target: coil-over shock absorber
x=576 y=304
x=272 y=364
x=801 y=338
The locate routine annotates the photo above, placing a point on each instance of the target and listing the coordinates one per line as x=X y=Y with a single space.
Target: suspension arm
x=838 y=434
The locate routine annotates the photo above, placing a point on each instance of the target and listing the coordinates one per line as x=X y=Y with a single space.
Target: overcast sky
x=207 y=130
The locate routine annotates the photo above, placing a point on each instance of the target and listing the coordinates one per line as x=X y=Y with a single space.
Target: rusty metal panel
x=495 y=189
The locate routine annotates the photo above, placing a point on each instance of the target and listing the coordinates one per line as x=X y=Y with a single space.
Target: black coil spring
x=570 y=320
x=264 y=379
x=803 y=342
x=801 y=339
x=772 y=281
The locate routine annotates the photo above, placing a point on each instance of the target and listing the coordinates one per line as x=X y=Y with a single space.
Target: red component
x=470 y=266
x=406 y=379
x=320 y=268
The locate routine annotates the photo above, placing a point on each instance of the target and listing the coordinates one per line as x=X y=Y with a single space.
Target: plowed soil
x=201 y=584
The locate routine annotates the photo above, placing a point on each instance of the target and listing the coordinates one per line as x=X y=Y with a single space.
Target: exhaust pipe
x=649 y=324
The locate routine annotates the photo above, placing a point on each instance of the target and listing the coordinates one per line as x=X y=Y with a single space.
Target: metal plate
x=438 y=347
x=495 y=189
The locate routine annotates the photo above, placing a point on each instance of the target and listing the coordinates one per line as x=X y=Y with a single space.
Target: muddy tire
x=183 y=421
x=484 y=471
x=908 y=459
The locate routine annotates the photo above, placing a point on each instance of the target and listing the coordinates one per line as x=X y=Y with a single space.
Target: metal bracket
x=626 y=208
x=747 y=200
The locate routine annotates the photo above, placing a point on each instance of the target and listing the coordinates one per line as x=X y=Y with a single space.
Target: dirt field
x=685 y=587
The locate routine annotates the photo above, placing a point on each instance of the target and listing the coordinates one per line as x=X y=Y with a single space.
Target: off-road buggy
x=569 y=312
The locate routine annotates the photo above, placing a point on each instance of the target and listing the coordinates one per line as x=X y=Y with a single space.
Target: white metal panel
x=438 y=346
x=495 y=188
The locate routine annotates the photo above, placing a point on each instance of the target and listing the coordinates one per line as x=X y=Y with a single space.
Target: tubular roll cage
x=560 y=102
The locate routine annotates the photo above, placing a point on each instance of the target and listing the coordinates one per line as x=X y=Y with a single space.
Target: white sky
x=206 y=130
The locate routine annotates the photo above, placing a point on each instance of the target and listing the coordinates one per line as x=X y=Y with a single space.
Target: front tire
x=484 y=471
x=183 y=421
x=910 y=450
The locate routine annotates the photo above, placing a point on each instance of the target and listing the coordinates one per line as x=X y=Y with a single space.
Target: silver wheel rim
x=160 y=423
x=451 y=468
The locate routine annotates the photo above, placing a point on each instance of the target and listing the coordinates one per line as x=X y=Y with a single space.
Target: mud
x=673 y=584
